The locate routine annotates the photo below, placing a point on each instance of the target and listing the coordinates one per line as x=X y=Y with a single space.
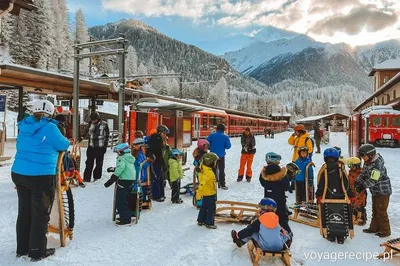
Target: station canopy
x=154 y=103
x=311 y=119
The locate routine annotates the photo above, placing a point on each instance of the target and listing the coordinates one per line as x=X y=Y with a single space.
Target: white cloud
x=351 y=21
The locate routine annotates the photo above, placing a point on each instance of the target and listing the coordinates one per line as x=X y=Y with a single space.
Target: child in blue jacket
x=306 y=174
x=265 y=231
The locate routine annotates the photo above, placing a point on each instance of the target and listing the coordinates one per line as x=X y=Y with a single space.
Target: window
x=204 y=121
x=396 y=121
x=376 y=121
x=386 y=121
x=223 y=120
x=386 y=79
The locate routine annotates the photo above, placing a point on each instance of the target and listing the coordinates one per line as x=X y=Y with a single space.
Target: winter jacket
x=38 y=145
x=318 y=133
x=300 y=141
x=273 y=179
x=361 y=198
x=248 y=144
x=269 y=234
x=99 y=135
x=139 y=160
x=304 y=164
x=374 y=176
x=336 y=174
x=219 y=142
x=156 y=147
x=175 y=169
x=207 y=182
x=125 y=168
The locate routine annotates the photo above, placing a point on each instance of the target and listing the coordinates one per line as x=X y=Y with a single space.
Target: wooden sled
x=62 y=217
x=307 y=213
x=236 y=212
x=392 y=247
x=256 y=254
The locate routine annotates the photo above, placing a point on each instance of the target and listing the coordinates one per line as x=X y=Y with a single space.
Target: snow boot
x=123 y=223
x=178 y=201
x=382 y=235
x=369 y=231
x=236 y=239
x=82 y=185
x=340 y=240
x=331 y=238
x=49 y=252
x=224 y=187
x=240 y=178
x=211 y=226
x=20 y=255
x=248 y=178
x=200 y=223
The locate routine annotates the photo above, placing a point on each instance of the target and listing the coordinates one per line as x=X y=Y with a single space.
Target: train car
x=377 y=125
x=264 y=123
x=237 y=124
x=204 y=122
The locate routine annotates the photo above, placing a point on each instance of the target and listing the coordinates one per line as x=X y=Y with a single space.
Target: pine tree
x=82 y=36
x=131 y=63
x=218 y=95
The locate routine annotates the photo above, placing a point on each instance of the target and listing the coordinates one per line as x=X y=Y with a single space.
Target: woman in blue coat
x=34 y=171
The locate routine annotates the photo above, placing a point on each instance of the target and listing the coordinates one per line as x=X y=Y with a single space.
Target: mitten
x=110 y=169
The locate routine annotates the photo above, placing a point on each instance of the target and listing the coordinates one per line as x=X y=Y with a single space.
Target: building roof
x=311 y=119
x=390 y=64
x=18 y=5
x=393 y=81
x=281 y=115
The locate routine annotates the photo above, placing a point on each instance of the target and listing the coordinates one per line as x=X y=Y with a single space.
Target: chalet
x=386 y=86
x=14 y=6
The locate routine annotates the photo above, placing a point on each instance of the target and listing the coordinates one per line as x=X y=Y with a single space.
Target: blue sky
x=229 y=23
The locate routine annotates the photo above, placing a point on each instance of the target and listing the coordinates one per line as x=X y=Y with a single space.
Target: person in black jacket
x=275 y=182
x=338 y=184
x=156 y=146
x=248 y=150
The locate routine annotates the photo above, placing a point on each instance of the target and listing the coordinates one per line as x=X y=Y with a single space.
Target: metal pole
x=121 y=100
x=90 y=59
x=181 y=86
x=75 y=129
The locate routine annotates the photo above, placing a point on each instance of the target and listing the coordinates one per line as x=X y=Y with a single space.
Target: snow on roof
x=386 y=65
x=159 y=103
x=376 y=107
x=319 y=117
x=383 y=112
x=279 y=114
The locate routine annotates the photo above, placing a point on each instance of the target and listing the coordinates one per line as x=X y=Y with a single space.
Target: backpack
x=313 y=145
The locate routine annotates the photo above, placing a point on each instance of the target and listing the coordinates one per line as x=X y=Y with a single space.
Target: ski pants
x=318 y=145
x=35 y=199
x=207 y=210
x=176 y=187
x=300 y=191
x=123 y=189
x=157 y=182
x=246 y=160
x=92 y=154
x=221 y=171
x=283 y=216
x=380 y=220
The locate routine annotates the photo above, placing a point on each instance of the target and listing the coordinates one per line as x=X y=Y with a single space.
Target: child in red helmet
x=265 y=231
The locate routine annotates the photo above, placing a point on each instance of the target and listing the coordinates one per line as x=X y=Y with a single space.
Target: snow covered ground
x=169 y=235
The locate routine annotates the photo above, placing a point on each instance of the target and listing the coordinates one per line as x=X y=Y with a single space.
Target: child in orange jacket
x=354 y=163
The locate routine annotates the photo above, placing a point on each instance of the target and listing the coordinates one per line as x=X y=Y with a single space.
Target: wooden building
x=386 y=86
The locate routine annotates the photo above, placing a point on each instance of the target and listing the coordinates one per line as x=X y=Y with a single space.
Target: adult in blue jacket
x=34 y=171
x=219 y=142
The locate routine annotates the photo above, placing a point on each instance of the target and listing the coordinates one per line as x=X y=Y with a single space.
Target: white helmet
x=43 y=106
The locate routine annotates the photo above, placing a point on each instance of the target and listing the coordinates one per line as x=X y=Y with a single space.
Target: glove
x=199 y=203
x=319 y=200
x=110 y=169
x=352 y=200
x=111 y=181
x=80 y=139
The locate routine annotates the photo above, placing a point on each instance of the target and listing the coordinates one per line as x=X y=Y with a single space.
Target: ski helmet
x=203 y=144
x=302 y=148
x=163 y=129
x=122 y=148
x=95 y=116
x=272 y=157
x=367 y=149
x=293 y=169
x=268 y=204
x=43 y=106
x=139 y=134
x=176 y=152
x=209 y=159
x=353 y=162
x=331 y=153
x=338 y=149
x=221 y=127
x=138 y=141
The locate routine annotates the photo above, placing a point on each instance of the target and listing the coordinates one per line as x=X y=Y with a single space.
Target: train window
x=204 y=122
x=376 y=121
x=396 y=121
x=223 y=120
x=386 y=121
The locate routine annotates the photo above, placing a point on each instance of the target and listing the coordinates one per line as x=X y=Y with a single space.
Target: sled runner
x=236 y=212
x=336 y=215
x=257 y=253
x=392 y=246
x=76 y=155
x=62 y=216
x=306 y=213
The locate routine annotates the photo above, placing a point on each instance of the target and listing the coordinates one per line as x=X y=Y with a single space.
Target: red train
x=378 y=125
